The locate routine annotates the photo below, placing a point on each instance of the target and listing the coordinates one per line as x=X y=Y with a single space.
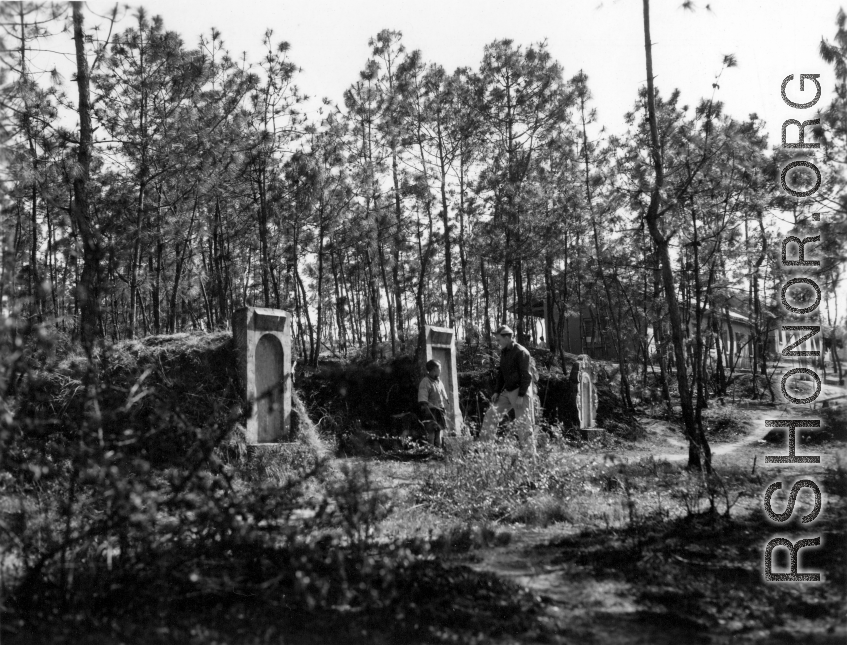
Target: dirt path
x=675 y=446
x=666 y=442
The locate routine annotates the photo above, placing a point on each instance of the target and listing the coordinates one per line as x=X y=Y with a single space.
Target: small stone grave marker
x=441 y=346
x=586 y=399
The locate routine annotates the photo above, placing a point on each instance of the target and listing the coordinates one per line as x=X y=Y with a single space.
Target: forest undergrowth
x=152 y=521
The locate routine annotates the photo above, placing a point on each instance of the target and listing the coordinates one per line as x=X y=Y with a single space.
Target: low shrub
x=834 y=420
x=723 y=423
x=543 y=511
x=491 y=480
x=752 y=386
x=630 y=429
x=467 y=536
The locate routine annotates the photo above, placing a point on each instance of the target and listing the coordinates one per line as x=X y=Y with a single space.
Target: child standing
x=432 y=403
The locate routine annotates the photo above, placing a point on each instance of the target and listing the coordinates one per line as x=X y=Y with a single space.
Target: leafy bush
x=117 y=506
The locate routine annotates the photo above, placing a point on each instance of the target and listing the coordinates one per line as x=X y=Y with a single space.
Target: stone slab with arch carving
x=441 y=346
x=263 y=347
x=586 y=397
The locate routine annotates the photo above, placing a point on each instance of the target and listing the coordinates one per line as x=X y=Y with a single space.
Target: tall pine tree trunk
x=448 y=251
x=36 y=292
x=135 y=260
x=88 y=285
x=398 y=241
x=486 y=297
x=697 y=452
x=550 y=300
x=463 y=260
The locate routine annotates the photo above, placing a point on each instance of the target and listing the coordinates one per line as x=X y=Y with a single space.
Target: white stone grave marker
x=263 y=346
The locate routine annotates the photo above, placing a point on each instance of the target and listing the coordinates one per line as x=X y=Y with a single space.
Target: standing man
x=432 y=403
x=513 y=390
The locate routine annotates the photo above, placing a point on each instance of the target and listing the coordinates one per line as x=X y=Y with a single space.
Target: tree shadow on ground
x=703 y=574
x=424 y=601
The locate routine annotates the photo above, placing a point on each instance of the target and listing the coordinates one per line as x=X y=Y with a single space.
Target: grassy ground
x=624 y=547
x=582 y=545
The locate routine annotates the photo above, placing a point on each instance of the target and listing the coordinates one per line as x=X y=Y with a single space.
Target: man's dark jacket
x=514 y=370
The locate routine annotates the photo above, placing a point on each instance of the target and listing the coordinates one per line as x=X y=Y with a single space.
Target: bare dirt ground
x=687 y=579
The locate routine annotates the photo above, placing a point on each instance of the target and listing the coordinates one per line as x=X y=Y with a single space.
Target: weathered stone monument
x=586 y=399
x=263 y=346
x=441 y=346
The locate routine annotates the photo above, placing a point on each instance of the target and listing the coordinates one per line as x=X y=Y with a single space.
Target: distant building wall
x=582 y=335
